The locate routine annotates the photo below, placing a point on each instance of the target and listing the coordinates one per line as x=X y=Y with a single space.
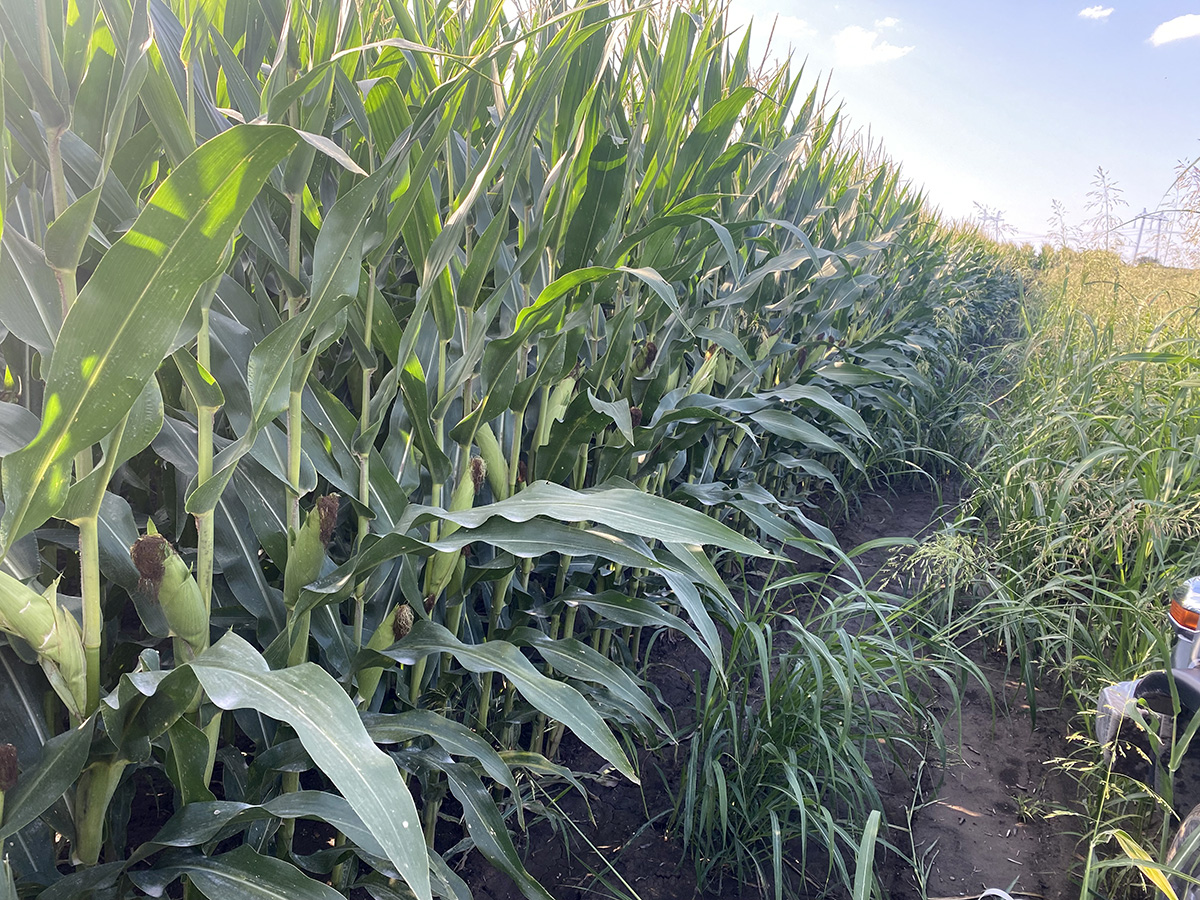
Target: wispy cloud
x=856 y=46
x=889 y=22
x=788 y=29
x=1176 y=30
x=1096 y=12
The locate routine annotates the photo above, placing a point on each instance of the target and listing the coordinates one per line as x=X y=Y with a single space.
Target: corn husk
x=166 y=578
x=391 y=629
x=306 y=549
x=439 y=571
x=306 y=555
x=493 y=458
x=52 y=632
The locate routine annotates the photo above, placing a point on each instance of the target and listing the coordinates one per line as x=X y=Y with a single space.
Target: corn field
x=382 y=378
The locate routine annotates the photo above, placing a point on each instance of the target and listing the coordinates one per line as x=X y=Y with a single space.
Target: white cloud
x=1176 y=30
x=855 y=46
x=1096 y=12
x=889 y=22
x=788 y=29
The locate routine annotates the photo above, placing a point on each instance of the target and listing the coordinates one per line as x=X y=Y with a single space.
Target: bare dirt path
x=990 y=815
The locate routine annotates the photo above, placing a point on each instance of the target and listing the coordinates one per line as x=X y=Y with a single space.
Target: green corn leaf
x=624 y=509
x=141 y=426
x=276 y=106
x=785 y=425
x=557 y=700
x=197 y=823
x=104 y=358
x=187 y=761
x=810 y=394
x=577 y=660
x=22 y=686
x=86 y=882
x=415 y=391
x=237 y=551
x=618 y=412
x=235 y=676
x=30 y=302
x=146 y=703
x=135 y=65
x=707 y=141
x=453 y=737
x=240 y=874
x=62 y=759
x=488 y=829
x=20 y=23
x=18 y=426
x=3 y=194
x=337 y=268
x=539 y=765
x=67 y=235
x=636 y=612
x=528 y=540
x=597 y=209
x=727 y=341
x=206 y=393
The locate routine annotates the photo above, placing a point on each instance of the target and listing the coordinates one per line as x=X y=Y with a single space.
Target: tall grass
x=779 y=782
x=1086 y=509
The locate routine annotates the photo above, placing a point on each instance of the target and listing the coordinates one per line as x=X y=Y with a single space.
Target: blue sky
x=1008 y=104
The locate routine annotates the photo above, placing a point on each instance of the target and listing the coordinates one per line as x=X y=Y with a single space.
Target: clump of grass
x=779 y=781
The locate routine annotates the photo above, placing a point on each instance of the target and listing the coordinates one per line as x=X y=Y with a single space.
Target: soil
x=997 y=812
x=986 y=815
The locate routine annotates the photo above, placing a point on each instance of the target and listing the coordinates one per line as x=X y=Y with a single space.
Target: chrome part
x=1186 y=653
x=1183 y=654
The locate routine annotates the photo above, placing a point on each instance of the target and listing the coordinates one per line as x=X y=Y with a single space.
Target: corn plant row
x=379 y=379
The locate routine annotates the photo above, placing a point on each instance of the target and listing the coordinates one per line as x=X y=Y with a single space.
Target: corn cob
x=306 y=556
x=52 y=632
x=703 y=378
x=306 y=553
x=493 y=458
x=390 y=630
x=166 y=578
x=440 y=568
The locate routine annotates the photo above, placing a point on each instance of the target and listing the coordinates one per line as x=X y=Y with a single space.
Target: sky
x=1007 y=104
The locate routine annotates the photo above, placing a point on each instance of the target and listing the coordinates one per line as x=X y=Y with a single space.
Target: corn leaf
x=122 y=326
x=235 y=676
